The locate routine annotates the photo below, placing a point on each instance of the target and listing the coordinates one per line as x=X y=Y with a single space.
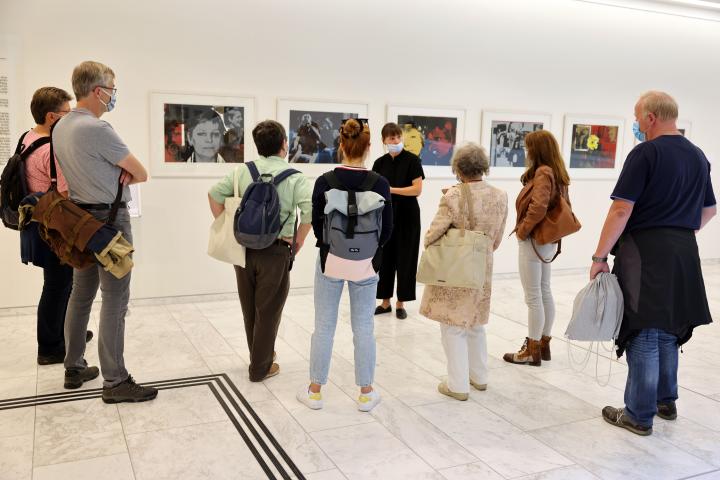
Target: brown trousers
x=263 y=287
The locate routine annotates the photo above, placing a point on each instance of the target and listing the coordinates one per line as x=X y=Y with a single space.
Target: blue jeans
x=652 y=358
x=362 y=318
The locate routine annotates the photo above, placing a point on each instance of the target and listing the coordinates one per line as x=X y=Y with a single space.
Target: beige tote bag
x=222 y=244
x=457 y=259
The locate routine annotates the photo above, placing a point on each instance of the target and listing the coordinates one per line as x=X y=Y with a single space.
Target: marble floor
x=531 y=423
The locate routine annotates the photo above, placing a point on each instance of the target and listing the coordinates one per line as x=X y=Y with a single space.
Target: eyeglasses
x=112 y=89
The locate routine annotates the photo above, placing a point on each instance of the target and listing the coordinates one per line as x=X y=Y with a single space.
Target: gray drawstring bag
x=597 y=310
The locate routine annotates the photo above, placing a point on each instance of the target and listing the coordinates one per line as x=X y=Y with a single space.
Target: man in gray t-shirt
x=94 y=159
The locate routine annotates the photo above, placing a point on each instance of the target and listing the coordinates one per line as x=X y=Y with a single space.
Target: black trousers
x=400 y=256
x=51 y=310
x=263 y=287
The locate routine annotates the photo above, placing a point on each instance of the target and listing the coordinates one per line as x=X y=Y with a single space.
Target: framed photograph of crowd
x=593 y=145
x=313 y=129
x=198 y=135
x=430 y=133
x=503 y=137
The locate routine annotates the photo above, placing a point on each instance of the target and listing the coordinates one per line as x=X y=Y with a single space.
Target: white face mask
x=395 y=147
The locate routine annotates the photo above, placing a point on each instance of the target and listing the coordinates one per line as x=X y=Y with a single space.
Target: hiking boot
x=529 y=354
x=128 y=391
x=617 y=417
x=74 y=378
x=545 y=348
x=443 y=388
x=667 y=411
x=478 y=386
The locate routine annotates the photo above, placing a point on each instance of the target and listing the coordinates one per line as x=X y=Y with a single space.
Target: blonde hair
x=89 y=75
x=661 y=104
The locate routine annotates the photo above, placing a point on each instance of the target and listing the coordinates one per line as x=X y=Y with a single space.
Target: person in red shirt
x=48 y=105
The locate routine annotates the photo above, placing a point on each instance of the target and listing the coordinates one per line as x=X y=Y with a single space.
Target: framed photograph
x=503 y=137
x=199 y=135
x=685 y=127
x=593 y=146
x=313 y=128
x=430 y=133
x=134 y=206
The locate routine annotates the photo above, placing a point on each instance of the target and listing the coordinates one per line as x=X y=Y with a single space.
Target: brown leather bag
x=559 y=222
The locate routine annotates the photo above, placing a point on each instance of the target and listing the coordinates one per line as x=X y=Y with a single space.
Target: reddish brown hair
x=543 y=149
x=354 y=138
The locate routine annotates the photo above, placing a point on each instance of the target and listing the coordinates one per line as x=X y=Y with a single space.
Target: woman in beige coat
x=463 y=312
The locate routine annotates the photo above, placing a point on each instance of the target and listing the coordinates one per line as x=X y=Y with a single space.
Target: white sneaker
x=367 y=401
x=312 y=400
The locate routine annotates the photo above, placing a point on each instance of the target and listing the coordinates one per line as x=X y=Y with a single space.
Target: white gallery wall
x=554 y=56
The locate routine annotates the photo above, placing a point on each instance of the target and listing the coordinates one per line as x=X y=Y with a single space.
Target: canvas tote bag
x=222 y=244
x=457 y=259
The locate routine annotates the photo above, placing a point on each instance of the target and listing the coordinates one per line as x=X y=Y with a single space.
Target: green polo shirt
x=295 y=192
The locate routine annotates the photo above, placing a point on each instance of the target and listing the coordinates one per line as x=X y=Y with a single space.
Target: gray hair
x=89 y=75
x=661 y=104
x=470 y=161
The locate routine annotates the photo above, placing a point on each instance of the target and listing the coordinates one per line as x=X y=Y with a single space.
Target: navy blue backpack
x=257 y=221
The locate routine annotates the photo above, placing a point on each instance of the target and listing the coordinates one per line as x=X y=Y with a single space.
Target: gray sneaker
x=75 y=378
x=128 y=391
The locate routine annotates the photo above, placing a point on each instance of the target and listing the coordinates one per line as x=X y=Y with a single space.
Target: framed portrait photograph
x=313 y=129
x=431 y=133
x=503 y=137
x=593 y=146
x=199 y=135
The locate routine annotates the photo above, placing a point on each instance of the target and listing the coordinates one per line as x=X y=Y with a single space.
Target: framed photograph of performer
x=198 y=135
x=313 y=129
x=503 y=137
x=431 y=133
x=593 y=146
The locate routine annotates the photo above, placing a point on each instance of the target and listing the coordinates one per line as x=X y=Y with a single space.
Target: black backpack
x=13 y=184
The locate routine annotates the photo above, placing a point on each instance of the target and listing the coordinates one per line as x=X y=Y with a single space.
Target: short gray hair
x=470 y=160
x=89 y=75
x=661 y=104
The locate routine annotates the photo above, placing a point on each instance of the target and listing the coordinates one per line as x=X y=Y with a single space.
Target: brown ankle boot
x=529 y=354
x=545 y=347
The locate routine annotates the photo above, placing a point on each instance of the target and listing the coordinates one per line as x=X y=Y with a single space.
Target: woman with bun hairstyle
x=403 y=171
x=352 y=176
x=544 y=180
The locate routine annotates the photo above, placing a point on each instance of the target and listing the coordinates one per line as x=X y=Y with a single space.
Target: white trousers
x=467 y=357
x=535 y=279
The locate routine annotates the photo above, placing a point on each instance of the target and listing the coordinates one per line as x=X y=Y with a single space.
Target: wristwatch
x=599 y=259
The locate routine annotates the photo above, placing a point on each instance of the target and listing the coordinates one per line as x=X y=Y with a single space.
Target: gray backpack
x=351 y=232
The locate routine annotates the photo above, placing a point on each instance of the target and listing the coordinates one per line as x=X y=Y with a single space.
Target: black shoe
x=128 y=391
x=88 y=336
x=379 y=310
x=667 y=411
x=51 y=359
x=401 y=313
x=75 y=378
x=617 y=417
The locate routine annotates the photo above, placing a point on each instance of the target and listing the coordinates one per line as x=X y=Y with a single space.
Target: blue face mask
x=395 y=147
x=113 y=99
x=638 y=134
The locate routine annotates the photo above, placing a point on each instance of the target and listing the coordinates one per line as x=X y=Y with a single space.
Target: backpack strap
x=19 y=148
x=53 y=170
x=283 y=175
x=34 y=146
x=352 y=214
x=369 y=182
x=254 y=172
x=333 y=181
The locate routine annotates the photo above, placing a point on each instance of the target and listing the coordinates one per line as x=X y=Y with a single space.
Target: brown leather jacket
x=534 y=200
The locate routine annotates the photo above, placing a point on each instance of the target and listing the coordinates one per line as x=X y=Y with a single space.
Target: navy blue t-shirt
x=668 y=179
x=351 y=177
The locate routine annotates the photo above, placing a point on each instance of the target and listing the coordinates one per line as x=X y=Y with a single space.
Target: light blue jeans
x=362 y=317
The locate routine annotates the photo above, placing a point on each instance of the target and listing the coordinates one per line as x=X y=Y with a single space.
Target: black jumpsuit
x=400 y=253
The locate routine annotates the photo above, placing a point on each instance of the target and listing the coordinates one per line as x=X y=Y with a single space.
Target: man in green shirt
x=264 y=282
